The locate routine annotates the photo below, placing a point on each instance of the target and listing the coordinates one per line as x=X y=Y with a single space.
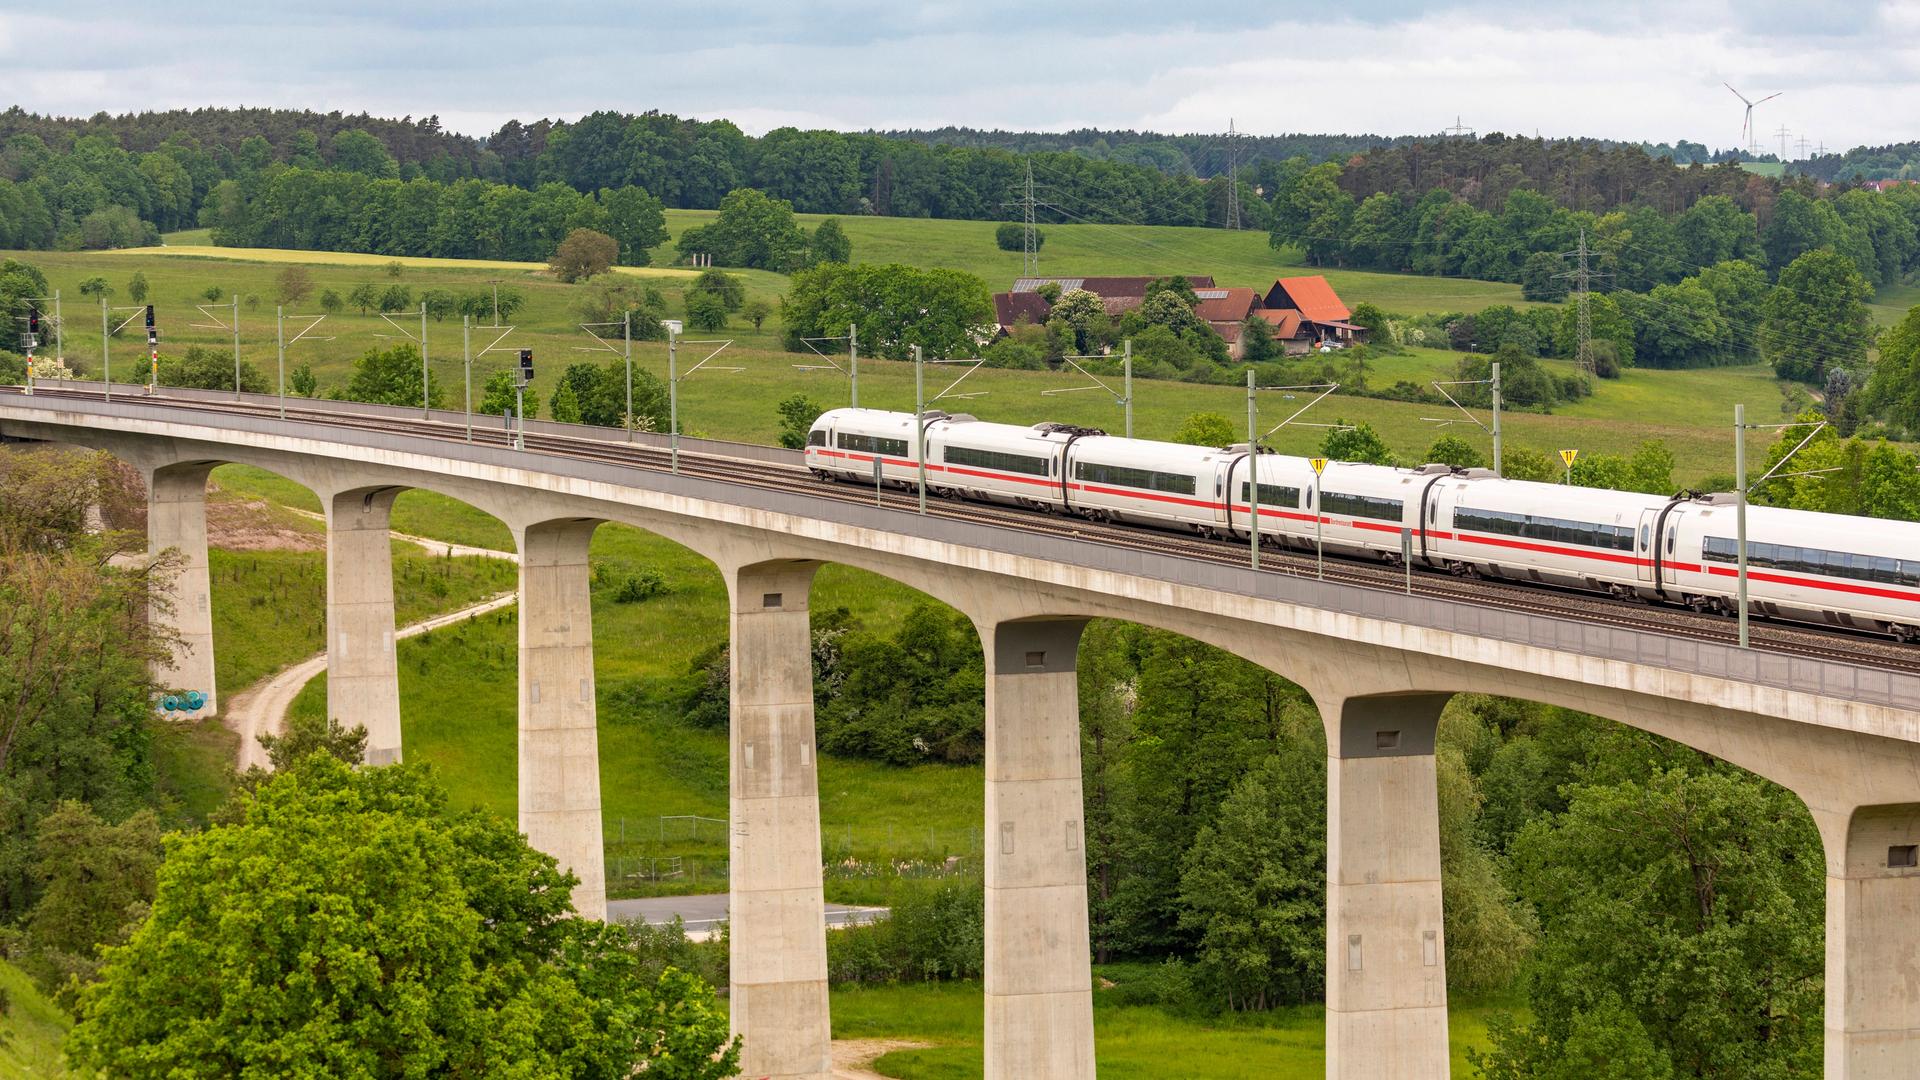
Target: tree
x=331 y=303
x=731 y=290
x=355 y=150
x=412 y=940
x=1206 y=429
x=583 y=254
x=1455 y=451
x=1012 y=236
x=391 y=377
x=301 y=380
x=137 y=287
x=207 y=369
x=829 y=243
x=365 y=296
x=96 y=286
x=497 y=396
x=1312 y=213
x=565 y=405
x=756 y=312
x=212 y=294
x=705 y=311
x=292 y=284
x=1817 y=318
x=1253 y=886
x=440 y=303
x=395 y=298
x=636 y=222
x=894 y=307
x=1681 y=909
x=1082 y=315
x=1541 y=278
x=797 y=415
x=394 y=268
x=1257 y=343
x=1355 y=443
x=751 y=230
x=1895 y=383
x=95 y=879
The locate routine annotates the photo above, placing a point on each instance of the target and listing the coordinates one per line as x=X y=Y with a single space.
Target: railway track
x=1783 y=638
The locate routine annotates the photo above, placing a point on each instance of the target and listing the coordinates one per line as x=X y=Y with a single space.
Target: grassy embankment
x=31 y=1029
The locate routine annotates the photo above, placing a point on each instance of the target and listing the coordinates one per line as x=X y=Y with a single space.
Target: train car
x=1363 y=508
x=1804 y=566
x=1519 y=530
x=1286 y=488
x=1003 y=463
x=1142 y=482
x=846 y=443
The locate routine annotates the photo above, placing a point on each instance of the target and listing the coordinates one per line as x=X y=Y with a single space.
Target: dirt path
x=852 y=1058
x=262 y=707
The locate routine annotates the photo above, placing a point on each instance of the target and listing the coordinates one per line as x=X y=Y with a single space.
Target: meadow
x=31 y=1029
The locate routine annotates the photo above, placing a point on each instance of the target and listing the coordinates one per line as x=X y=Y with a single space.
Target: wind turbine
x=1746 y=125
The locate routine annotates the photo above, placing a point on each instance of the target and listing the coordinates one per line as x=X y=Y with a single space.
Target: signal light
x=526 y=364
x=33 y=319
x=149 y=316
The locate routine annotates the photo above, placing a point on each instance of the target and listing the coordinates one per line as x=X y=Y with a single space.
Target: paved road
x=702 y=913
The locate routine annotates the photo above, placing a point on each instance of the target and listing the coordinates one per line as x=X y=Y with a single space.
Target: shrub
x=1011 y=236
x=645 y=584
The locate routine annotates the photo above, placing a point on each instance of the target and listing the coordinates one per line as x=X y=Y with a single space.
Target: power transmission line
x=1030 y=249
x=1233 y=138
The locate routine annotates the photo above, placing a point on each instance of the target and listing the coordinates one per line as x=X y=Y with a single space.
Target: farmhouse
x=1305 y=312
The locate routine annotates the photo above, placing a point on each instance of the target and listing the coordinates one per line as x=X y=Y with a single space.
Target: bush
x=1011 y=236
x=705 y=311
x=731 y=290
x=644 y=584
x=930 y=935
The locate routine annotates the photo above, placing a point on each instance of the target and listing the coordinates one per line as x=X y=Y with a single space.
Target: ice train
x=1802 y=566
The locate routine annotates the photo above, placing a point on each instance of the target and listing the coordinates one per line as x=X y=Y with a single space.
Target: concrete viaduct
x=1379 y=665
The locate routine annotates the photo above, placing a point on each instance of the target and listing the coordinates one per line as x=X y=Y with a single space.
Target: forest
x=110 y=181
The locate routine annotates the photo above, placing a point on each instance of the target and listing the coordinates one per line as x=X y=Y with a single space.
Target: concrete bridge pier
x=559 y=736
x=1873 y=952
x=363 y=677
x=1039 y=976
x=778 y=976
x=177 y=521
x=1386 y=948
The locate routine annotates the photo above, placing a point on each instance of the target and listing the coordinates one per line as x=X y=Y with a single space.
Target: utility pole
x=1030 y=248
x=1582 y=279
x=853 y=364
x=236 y=346
x=920 y=419
x=1497 y=464
x=1233 y=175
x=466 y=371
x=626 y=337
x=1253 y=477
x=106 y=350
x=1783 y=141
x=426 y=377
x=59 y=332
x=673 y=397
x=280 y=351
x=1802 y=147
x=1740 y=510
x=1126 y=374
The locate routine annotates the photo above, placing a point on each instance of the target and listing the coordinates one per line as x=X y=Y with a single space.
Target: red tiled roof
x=1311 y=296
x=1286 y=324
x=1229 y=331
x=1226 y=305
x=1011 y=307
x=1117 y=306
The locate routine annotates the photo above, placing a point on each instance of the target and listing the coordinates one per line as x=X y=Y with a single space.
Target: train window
x=868 y=444
x=996 y=459
x=1558 y=530
x=1433 y=513
x=1145 y=479
x=1273 y=494
x=1841 y=564
x=1366 y=506
x=1673 y=535
x=1646 y=536
x=817 y=437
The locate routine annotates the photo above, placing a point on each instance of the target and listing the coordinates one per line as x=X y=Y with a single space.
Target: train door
x=1643 y=542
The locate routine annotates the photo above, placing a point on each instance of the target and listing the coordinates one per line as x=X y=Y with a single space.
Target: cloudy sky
x=1849 y=69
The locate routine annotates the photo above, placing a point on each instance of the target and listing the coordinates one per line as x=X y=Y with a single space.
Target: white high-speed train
x=1828 y=569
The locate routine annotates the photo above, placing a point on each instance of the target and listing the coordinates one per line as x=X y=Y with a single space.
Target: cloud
x=1636 y=70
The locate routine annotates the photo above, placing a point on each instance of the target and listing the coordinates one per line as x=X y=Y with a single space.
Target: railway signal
x=1568 y=456
x=1319 y=551
x=153 y=353
x=520 y=399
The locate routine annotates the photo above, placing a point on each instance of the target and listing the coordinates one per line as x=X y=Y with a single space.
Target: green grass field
x=31 y=1030
x=1129 y=1040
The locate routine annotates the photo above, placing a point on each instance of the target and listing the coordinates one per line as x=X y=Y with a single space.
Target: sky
x=1849 y=72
